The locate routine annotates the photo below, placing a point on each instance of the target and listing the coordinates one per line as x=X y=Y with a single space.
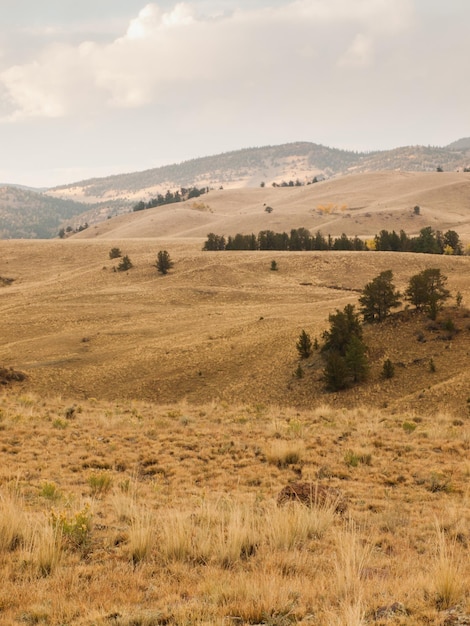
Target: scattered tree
x=115 y=253
x=304 y=345
x=388 y=369
x=378 y=297
x=163 y=263
x=356 y=359
x=343 y=325
x=427 y=291
x=336 y=373
x=274 y=266
x=124 y=264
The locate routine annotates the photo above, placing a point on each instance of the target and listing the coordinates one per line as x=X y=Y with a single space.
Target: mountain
x=31 y=214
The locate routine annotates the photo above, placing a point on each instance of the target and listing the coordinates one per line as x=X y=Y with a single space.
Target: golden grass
x=189 y=532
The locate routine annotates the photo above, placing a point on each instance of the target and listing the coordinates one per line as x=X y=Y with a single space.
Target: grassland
x=141 y=458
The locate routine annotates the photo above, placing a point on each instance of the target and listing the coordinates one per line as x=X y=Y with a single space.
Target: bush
x=125 y=264
x=115 y=253
x=388 y=369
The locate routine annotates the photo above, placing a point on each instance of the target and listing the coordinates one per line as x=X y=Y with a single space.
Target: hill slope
x=25 y=213
x=220 y=325
x=360 y=205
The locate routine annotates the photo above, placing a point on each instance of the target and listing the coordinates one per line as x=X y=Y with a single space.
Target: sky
x=101 y=87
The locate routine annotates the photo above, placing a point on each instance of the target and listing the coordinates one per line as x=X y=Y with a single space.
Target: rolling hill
x=32 y=214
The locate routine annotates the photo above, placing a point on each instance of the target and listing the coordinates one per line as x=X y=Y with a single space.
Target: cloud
x=166 y=56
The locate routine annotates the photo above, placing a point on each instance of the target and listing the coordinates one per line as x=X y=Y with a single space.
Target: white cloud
x=166 y=56
x=359 y=53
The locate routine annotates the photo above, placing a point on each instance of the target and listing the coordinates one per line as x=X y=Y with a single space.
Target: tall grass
x=14 y=525
x=447 y=578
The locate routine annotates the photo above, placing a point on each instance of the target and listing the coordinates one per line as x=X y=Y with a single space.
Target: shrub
x=388 y=369
x=75 y=528
x=115 y=253
x=274 y=266
x=125 y=264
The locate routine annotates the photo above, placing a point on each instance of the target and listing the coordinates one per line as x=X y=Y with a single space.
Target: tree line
x=428 y=241
x=171 y=197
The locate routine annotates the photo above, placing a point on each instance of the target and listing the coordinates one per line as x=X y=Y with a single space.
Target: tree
x=343 y=325
x=115 y=253
x=378 y=297
x=274 y=266
x=304 y=345
x=164 y=263
x=356 y=359
x=336 y=373
x=124 y=264
x=427 y=291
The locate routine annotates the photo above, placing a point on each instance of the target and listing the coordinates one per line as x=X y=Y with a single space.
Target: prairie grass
x=189 y=531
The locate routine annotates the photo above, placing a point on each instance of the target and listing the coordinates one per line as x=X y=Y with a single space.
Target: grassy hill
x=142 y=457
x=30 y=214
x=360 y=205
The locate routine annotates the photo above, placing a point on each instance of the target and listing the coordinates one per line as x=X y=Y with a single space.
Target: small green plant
x=274 y=266
x=100 y=483
x=458 y=299
x=354 y=459
x=388 y=369
x=299 y=372
x=59 y=424
x=115 y=253
x=409 y=427
x=432 y=366
x=76 y=528
x=125 y=264
x=50 y=491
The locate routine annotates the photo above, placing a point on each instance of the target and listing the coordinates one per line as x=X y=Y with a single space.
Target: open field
x=127 y=513
x=141 y=458
x=219 y=326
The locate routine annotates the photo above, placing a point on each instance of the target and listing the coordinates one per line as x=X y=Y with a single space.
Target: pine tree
x=164 y=263
x=378 y=297
x=427 y=291
x=356 y=359
x=304 y=345
x=336 y=372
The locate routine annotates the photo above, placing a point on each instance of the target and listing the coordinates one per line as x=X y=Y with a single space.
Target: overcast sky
x=97 y=87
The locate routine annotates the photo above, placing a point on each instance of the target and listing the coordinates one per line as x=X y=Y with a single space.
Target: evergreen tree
x=378 y=297
x=343 y=325
x=304 y=345
x=124 y=264
x=427 y=291
x=164 y=263
x=336 y=372
x=356 y=359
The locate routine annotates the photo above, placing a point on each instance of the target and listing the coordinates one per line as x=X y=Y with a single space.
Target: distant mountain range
x=25 y=213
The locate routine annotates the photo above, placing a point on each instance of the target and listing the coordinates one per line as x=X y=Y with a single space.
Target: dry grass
x=190 y=532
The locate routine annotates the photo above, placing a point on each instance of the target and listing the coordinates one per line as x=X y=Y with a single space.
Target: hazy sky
x=97 y=87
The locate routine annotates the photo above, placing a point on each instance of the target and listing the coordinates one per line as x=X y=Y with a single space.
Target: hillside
x=361 y=204
x=300 y=161
x=32 y=214
x=219 y=326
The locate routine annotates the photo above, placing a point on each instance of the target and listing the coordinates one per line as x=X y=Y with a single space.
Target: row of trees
x=298 y=239
x=428 y=241
x=344 y=351
x=163 y=262
x=171 y=197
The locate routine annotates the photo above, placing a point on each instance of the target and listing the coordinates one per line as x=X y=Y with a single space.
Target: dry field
x=141 y=458
x=219 y=326
x=128 y=513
